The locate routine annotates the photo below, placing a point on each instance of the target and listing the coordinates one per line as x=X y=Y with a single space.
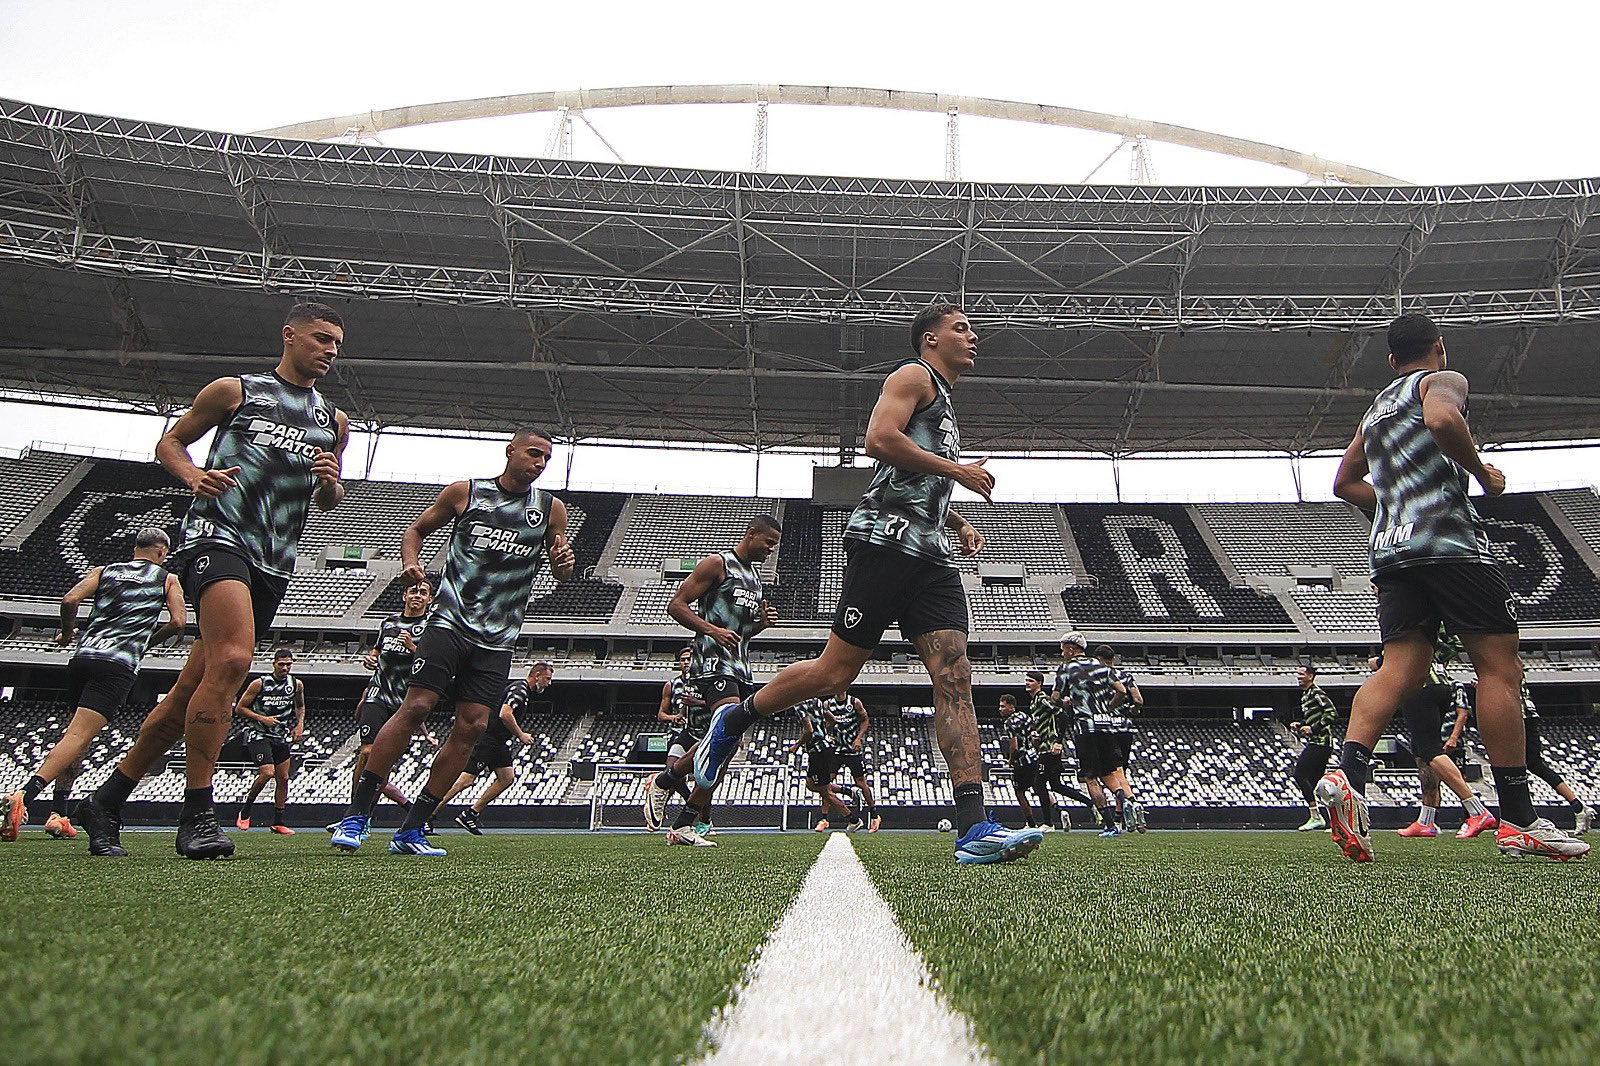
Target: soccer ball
x=944 y=825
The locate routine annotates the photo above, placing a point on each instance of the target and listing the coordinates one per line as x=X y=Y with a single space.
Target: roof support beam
x=1130 y=411
x=253 y=203
x=74 y=183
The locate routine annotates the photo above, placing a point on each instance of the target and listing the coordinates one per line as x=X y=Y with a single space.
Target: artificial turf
x=1257 y=948
x=554 y=949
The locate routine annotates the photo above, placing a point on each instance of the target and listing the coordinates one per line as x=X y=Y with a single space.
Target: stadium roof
x=138 y=260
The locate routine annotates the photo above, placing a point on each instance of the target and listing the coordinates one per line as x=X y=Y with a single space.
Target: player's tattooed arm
x=944 y=652
x=972 y=541
x=327 y=467
x=85 y=588
x=213 y=405
x=563 y=561
x=1350 y=484
x=452 y=500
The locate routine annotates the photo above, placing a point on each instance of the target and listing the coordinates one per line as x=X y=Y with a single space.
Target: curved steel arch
x=371 y=122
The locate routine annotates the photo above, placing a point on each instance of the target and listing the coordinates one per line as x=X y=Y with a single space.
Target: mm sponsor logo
x=270 y=434
x=485 y=537
x=1394 y=536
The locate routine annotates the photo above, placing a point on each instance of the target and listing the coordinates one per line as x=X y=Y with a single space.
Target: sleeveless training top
x=127 y=605
x=392 y=675
x=272 y=438
x=735 y=603
x=904 y=510
x=495 y=550
x=1424 y=515
x=275 y=700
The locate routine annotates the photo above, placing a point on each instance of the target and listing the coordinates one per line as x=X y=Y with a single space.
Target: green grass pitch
x=1177 y=947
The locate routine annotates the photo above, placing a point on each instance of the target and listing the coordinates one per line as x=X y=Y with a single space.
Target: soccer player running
x=900 y=567
x=390 y=661
x=274 y=710
x=1432 y=563
x=276 y=452
x=1128 y=702
x=503 y=528
x=723 y=604
x=686 y=714
x=493 y=750
x=1087 y=687
x=817 y=742
x=1314 y=727
x=126 y=604
x=1581 y=812
x=1017 y=744
x=848 y=718
x=1048 y=729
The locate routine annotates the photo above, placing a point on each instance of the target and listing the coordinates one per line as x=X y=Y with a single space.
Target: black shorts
x=1424 y=716
x=882 y=586
x=1467 y=597
x=371 y=719
x=210 y=563
x=97 y=685
x=720 y=688
x=490 y=753
x=1025 y=775
x=454 y=667
x=1095 y=755
x=1118 y=747
x=854 y=761
x=267 y=751
x=683 y=739
x=820 y=769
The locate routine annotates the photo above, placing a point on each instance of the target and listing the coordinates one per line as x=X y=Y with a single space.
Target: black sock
x=740 y=717
x=969 y=806
x=366 y=797
x=195 y=800
x=667 y=781
x=58 y=804
x=115 y=792
x=31 y=790
x=687 y=817
x=1516 y=805
x=1108 y=816
x=421 y=811
x=1356 y=762
x=1576 y=805
x=277 y=816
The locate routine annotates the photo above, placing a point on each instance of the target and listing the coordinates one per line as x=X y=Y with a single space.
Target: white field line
x=837 y=981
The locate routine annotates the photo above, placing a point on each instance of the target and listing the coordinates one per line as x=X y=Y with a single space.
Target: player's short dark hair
x=284 y=652
x=1036 y=675
x=1411 y=337
x=524 y=432
x=149 y=537
x=928 y=320
x=1105 y=651
x=541 y=665
x=763 y=523
x=1309 y=668
x=313 y=312
x=1009 y=699
x=687 y=649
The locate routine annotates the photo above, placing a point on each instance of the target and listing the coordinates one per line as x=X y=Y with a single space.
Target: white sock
x=1474 y=806
x=1427 y=815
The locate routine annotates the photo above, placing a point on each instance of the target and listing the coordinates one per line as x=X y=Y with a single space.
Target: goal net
x=749 y=796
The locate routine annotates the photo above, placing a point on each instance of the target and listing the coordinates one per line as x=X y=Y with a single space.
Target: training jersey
x=1086 y=683
x=127 y=604
x=1447 y=648
x=272 y=437
x=904 y=510
x=843 y=722
x=1528 y=708
x=517 y=695
x=1317 y=713
x=1044 y=722
x=685 y=701
x=1458 y=699
x=814 y=714
x=495 y=549
x=1424 y=514
x=733 y=603
x=276 y=700
x=392 y=675
x=1019 y=727
x=1124 y=704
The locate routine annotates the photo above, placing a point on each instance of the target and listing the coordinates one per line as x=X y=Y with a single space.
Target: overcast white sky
x=1430 y=92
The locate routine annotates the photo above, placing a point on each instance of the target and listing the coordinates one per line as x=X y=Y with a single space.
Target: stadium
x=759 y=312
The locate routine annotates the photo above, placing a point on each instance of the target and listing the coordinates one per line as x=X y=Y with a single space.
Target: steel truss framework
x=138 y=260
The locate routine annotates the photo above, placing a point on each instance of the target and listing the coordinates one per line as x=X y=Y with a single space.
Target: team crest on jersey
x=852 y=617
x=535 y=517
x=321 y=417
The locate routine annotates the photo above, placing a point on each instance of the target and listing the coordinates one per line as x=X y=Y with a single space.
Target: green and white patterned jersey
x=733 y=603
x=1528 y=708
x=906 y=510
x=696 y=715
x=843 y=722
x=494 y=552
x=1424 y=514
x=392 y=675
x=1447 y=648
x=1086 y=683
x=1018 y=725
x=276 y=700
x=1317 y=713
x=127 y=605
x=813 y=713
x=1045 y=722
x=272 y=438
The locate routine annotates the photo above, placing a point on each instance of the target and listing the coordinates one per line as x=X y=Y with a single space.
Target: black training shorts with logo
x=490 y=753
x=206 y=564
x=1095 y=755
x=267 y=751
x=883 y=586
x=1468 y=597
x=453 y=666
x=371 y=719
x=715 y=689
x=98 y=685
x=1025 y=773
